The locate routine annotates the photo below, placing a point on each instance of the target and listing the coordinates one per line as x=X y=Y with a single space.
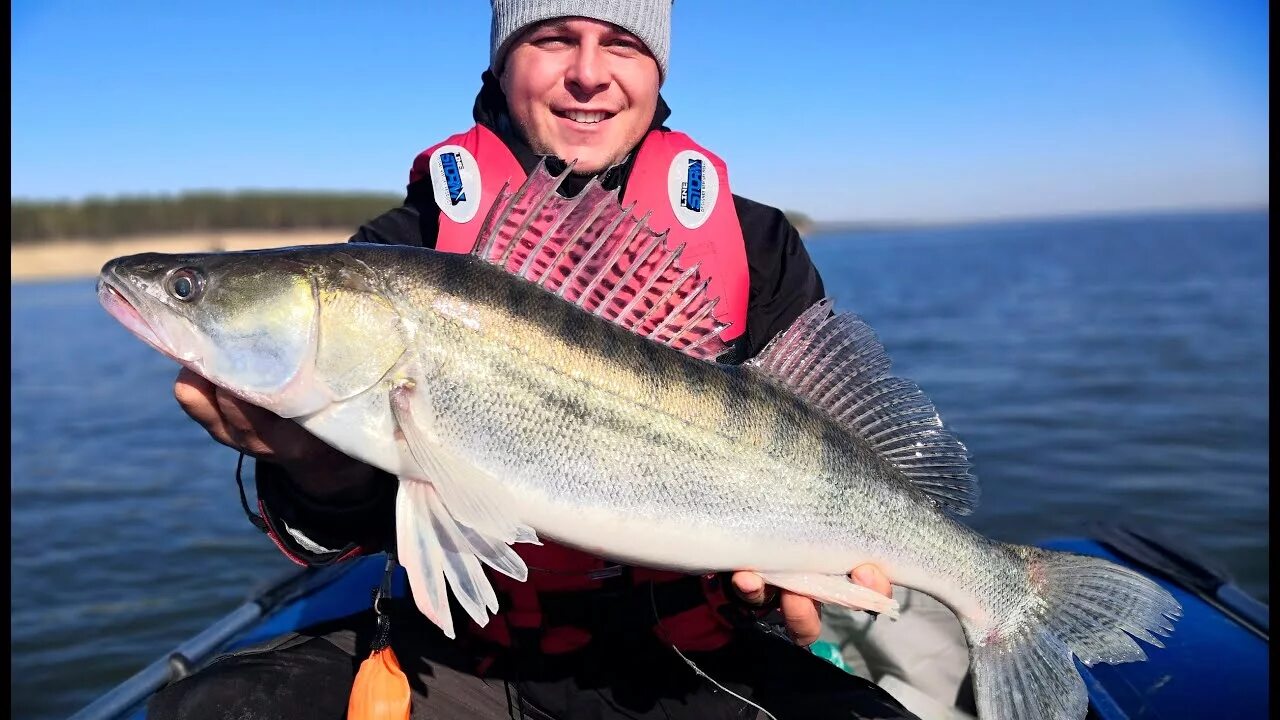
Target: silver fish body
x=714 y=466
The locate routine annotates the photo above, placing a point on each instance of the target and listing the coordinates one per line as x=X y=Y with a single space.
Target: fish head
x=272 y=327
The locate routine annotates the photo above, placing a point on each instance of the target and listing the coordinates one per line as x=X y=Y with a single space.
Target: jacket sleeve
x=416 y=222
x=784 y=280
x=312 y=533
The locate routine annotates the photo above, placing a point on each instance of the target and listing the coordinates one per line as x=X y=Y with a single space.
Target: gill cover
x=298 y=336
x=259 y=322
x=360 y=334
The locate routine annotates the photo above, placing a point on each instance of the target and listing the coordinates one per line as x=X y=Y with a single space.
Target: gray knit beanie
x=648 y=20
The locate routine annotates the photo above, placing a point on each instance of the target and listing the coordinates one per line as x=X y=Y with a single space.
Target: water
x=1097 y=369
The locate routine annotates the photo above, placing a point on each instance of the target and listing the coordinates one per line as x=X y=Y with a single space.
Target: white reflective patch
x=466 y=315
x=692 y=186
x=306 y=542
x=455 y=180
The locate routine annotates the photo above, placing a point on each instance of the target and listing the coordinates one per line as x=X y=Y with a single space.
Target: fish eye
x=184 y=284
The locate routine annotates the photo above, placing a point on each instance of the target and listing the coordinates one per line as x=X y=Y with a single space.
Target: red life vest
x=705 y=222
x=685 y=188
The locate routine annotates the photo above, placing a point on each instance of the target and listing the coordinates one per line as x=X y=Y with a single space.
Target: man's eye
x=551 y=40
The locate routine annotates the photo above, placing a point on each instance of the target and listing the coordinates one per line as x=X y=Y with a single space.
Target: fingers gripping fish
x=560 y=381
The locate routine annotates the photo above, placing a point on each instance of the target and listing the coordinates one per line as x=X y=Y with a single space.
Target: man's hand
x=317 y=469
x=799 y=612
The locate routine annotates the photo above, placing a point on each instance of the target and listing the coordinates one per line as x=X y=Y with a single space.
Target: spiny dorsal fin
x=593 y=252
x=836 y=363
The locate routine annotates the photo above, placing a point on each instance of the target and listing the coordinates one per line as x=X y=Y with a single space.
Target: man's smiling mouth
x=583 y=116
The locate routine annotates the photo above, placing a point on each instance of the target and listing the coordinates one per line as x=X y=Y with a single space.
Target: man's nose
x=589 y=71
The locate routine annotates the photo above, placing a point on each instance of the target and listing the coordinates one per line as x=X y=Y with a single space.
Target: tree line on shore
x=106 y=218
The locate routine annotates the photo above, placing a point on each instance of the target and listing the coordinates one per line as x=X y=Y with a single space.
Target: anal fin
x=834 y=589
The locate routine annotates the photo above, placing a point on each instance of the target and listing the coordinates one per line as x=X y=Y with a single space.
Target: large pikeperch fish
x=560 y=381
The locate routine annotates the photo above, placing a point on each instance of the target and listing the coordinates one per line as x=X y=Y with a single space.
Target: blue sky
x=853 y=110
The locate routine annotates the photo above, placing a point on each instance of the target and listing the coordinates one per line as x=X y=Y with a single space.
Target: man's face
x=581 y=90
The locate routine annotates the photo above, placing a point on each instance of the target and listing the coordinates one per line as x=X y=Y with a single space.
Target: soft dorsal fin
x=836 y=363
x=593 y=252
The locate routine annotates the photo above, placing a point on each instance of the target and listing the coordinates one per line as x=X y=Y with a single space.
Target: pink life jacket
x=686 y=191
x=683 y=186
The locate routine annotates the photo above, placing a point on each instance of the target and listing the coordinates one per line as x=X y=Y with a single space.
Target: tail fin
x=1079 y=605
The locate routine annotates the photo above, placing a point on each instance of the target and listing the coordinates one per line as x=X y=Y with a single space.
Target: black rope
x=255 y=518
x=382 y=634
x=653 y=603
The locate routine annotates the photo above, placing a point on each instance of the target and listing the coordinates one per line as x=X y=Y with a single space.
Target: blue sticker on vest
x=691 y=193
x=693 y=184
x=453 y=178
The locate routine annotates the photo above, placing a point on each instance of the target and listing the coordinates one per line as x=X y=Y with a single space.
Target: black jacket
x=783 y=283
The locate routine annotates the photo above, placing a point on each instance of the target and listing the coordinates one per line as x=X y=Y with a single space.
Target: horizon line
x=1016 y=217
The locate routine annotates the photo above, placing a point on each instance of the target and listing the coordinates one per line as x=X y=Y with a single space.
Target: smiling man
x=569 y=82
x=580 y=89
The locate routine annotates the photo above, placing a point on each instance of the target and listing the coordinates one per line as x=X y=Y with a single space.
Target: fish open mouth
x=122 y=310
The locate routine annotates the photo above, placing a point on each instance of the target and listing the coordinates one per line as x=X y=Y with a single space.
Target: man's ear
x=502 y=79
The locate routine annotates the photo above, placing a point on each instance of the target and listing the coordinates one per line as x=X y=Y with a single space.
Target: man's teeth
x=585 y=117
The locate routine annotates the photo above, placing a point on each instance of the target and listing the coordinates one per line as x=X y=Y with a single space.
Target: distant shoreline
x=46 y=260
x=70 y=259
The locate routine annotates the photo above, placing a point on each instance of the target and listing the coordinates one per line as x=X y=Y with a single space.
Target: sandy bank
x=83 y=258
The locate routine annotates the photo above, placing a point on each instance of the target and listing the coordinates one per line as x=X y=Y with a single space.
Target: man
x=568 y=81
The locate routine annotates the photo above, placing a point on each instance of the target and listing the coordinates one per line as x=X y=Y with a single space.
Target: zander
x=560 y=381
